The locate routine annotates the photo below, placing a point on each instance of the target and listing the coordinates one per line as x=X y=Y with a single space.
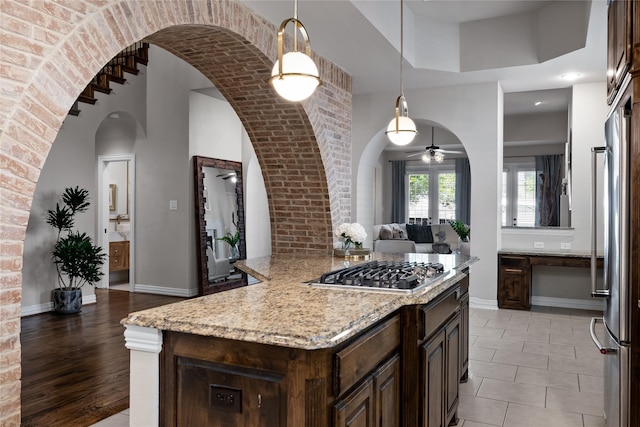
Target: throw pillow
x=420 y=233
x=397 y=232
x=386 y=233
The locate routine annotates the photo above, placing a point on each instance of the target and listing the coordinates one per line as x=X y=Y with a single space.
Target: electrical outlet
x=173 y=205
x=538 y=245
x=565 y=245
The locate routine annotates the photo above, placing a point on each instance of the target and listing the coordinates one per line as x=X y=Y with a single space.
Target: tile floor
x=527 y=369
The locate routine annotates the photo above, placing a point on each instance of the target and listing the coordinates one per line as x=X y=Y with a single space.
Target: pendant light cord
x=401 y=45
x=295 y=26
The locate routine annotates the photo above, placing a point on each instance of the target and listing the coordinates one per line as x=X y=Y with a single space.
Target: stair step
x=141 y=60
x=116 y=79
x=74 y=110
x=96 y=87
x=86 y=99
x=127 y=69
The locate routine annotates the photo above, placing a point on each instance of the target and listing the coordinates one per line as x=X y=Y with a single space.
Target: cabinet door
x=452 y=368
x=464 y=337
x=386 y=386
x=618 y=45
x=118 y=256
x=514 y=282
x=356 y=409
x=211 y=394
x=432 y=393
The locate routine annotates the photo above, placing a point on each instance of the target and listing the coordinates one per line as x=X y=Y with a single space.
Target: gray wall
x=158 y=102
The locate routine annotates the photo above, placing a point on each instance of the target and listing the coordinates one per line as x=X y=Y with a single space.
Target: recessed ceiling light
x=537 y=103
x=570 y=76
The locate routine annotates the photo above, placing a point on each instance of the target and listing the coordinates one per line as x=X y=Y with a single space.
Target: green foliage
x=418 y=187
x=447 y=189
x=74 y=254
x=463 y=231
x=231 y=239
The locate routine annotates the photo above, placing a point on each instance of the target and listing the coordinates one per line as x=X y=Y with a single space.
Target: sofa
x=408 y=238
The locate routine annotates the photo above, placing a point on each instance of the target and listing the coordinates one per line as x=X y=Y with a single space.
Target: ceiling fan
x=433 y=153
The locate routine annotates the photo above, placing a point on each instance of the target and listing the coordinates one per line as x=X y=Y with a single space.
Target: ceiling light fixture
x=433 y=154
x=294 y=75
x=401 y=129
x=570 y=76
x=537 y=103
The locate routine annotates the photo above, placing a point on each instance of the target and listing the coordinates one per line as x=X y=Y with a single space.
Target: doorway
x=116 y=229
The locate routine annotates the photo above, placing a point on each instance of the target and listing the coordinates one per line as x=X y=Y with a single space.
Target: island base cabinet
x=433 y=354
x=213 y=394
x=441 y=364
x=375 y=402
x=357 y=408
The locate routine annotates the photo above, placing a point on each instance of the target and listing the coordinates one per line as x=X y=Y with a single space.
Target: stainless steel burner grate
x=383 y=275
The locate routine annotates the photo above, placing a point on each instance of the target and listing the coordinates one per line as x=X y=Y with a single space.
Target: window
x=432 y=195
x=519 y=194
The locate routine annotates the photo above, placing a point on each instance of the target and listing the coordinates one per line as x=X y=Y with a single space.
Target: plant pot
x=67 y=301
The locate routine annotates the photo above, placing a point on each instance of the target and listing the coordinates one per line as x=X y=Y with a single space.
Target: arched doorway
x=54 y=50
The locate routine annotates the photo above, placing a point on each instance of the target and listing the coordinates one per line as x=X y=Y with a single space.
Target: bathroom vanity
x=285 y=353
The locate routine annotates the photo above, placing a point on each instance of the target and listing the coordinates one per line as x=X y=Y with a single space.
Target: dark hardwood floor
x=75 y=368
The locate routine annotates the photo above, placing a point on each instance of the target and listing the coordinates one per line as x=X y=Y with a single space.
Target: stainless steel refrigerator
x=615 y=341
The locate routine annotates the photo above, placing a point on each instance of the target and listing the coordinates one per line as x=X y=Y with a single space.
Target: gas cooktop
x=385 y=276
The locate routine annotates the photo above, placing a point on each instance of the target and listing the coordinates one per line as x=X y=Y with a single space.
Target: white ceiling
x=524 y=45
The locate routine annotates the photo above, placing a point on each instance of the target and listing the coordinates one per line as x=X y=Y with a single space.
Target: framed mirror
x=220 y=232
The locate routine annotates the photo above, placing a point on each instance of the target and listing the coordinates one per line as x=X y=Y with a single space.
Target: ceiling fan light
x=438 y=157
x=299 y=78
x=405 y=131
x=426 y=158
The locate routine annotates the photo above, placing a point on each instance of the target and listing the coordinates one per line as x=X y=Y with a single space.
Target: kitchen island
x=283 y=352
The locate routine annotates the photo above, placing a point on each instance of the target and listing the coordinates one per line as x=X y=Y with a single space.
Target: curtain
x=463 y=191
x=548 y=190
x=398 y=191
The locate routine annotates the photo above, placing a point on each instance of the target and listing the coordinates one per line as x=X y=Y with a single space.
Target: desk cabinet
x=514 y=282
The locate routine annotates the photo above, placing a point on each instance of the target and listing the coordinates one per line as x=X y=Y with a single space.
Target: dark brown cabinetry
x=375 y=403
x=431 y=397
x=514 y=274
x=514 y=282
x=403 y=370
x=618 y=45
x=464 y=336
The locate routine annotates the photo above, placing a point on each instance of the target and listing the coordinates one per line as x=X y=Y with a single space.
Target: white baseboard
x=30 y=310
x=163 y=290
x=581 y=304
x=488 y=304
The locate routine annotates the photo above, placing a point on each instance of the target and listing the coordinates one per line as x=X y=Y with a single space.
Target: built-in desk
x=514 y=272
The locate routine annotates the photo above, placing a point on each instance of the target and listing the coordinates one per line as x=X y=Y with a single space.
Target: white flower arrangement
x=351 y=234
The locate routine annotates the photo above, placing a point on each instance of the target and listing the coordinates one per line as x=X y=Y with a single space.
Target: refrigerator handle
x=594 y=223
x=594 y=338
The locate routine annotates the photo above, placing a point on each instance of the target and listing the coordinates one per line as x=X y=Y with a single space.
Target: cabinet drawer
x=437 y=312
x=514 y=262
x=359 y=358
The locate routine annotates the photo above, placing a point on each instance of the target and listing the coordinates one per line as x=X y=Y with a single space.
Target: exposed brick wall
x=49 y=52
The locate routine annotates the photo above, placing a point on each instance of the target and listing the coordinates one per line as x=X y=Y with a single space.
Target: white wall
x=588 y=113
x=474 y=113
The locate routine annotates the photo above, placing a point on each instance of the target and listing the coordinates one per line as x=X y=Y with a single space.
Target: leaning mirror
x=219 y=209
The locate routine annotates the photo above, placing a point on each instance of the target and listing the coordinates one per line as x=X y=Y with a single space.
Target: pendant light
x=401 y=130
x=294 y=75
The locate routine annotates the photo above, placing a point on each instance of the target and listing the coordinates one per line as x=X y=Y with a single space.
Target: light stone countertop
x=549 y=252
x=283 y=310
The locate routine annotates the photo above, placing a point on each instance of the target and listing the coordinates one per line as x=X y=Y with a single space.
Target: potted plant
x=232 y=240
x=464 y=233
x=78 y=261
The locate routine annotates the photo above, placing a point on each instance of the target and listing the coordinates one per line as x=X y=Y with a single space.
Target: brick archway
x=51 y=50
